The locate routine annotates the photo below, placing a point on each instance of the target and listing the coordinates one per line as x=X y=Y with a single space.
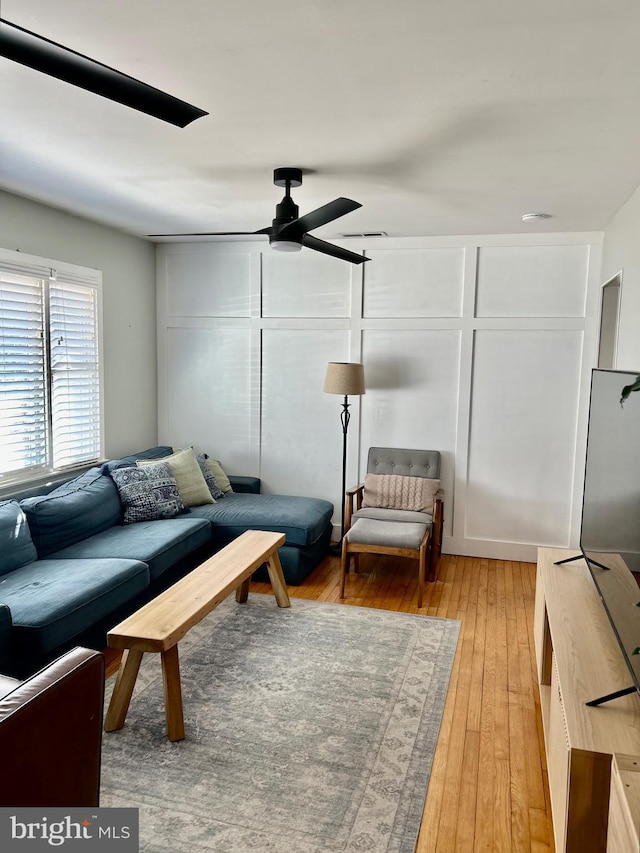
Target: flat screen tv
x=610 y=528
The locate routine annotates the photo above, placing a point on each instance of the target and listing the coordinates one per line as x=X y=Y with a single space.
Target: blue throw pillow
x=210 y=480
x=149 y=493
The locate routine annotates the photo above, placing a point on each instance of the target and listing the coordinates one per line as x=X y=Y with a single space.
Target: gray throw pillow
x=148 y=493
x=210 y=480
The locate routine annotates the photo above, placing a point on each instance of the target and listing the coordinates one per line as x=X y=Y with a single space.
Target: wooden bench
x=163 y=622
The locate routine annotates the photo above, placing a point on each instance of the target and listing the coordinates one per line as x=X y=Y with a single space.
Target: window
x=50 y=383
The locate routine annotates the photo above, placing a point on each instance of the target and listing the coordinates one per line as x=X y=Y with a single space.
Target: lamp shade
x=344 y=378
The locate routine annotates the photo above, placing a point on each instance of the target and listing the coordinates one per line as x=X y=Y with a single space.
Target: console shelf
x=579 y=660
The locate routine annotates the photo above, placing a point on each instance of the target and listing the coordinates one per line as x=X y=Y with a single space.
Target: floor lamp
x=344 y=378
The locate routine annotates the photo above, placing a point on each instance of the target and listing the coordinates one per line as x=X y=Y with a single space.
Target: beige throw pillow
x=394 y=491
x=192 y=486
x=221 y=478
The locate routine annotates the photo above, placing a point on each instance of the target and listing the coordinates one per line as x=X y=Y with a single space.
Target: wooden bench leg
x=172 y=693
x=277 y=580
x=121 y=696
x=242 y=593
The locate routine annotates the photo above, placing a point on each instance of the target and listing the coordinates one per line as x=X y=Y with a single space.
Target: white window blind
x=23 y=387
x=50 y=384
x=75 y=379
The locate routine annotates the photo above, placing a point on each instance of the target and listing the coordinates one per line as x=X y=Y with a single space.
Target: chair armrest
x=51 y=734
x=354 y=492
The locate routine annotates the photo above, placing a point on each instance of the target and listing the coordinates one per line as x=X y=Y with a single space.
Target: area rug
x=308 y=730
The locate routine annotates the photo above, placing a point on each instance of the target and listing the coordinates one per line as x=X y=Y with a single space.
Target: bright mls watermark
x=75 y=829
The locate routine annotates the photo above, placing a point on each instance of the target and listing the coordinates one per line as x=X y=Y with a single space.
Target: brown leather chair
x=51 y=733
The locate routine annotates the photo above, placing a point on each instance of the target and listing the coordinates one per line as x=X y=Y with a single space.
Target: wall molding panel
x=480 y=347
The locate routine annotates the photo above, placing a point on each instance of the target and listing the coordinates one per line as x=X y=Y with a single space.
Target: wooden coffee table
x=163 y=622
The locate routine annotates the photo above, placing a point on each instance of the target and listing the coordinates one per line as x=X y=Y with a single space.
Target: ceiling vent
x=367 y=234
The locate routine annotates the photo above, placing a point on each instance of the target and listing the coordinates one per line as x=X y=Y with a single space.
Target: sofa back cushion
x=154 y=453
x=16 y=546
x=78 y=509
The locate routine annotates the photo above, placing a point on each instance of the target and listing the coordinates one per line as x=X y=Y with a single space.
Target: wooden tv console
x=579 y=660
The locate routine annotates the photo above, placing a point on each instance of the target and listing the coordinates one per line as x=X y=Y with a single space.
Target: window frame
x=33 y=266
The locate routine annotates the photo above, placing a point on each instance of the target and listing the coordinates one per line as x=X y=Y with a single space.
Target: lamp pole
x=344 y=378
x=345 y=417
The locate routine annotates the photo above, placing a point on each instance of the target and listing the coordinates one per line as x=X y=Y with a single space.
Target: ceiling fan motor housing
x=286 y=212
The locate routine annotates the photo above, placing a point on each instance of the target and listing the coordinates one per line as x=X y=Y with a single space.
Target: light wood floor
x=488 y=788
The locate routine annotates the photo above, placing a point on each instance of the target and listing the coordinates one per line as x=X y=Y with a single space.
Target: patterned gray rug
x=309 y=730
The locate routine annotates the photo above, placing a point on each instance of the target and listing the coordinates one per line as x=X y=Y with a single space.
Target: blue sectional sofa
x=70 y=569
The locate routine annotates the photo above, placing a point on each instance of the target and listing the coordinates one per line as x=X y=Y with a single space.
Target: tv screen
x=611 y=502
x=610 y=531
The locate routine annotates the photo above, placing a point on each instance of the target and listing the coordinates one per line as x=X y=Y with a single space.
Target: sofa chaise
x=70 y=569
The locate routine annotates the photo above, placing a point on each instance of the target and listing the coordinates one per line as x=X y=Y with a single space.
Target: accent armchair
x=51 y=733
x=397 y=511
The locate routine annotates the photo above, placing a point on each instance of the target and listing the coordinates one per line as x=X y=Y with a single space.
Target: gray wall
x=129 y=308
x=621 y=251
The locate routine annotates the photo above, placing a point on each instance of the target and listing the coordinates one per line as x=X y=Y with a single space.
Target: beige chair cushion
x=382 y=514
x=396 y=491
x=390 y=534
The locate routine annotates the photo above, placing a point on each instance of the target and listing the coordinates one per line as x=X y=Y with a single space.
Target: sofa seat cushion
x=52 y=601
x=75 y=510
x=303 y=520
x=381 y=514
x=159 y=544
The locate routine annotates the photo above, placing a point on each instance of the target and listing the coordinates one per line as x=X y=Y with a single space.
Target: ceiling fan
x=288 y=232
x=54 y=59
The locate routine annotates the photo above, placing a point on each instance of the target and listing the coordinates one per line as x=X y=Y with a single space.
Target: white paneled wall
x=478 y=347
x=524 y=412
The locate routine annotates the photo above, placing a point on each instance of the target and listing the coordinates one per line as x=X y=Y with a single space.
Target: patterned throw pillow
x=149 y=493
x=210 y=480
x=191 y=484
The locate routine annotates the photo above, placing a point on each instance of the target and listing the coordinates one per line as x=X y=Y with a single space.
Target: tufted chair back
x=407 y=463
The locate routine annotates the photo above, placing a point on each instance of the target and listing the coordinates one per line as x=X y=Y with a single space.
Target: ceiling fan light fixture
x=285 y=245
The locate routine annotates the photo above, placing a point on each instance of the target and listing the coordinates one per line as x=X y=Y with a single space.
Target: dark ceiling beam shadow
x=54 y=59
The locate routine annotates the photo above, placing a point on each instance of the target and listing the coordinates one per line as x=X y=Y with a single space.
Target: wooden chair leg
x=422 y=566
x=344 y=561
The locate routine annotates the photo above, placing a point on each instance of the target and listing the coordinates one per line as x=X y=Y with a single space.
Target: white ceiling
x=440 y=116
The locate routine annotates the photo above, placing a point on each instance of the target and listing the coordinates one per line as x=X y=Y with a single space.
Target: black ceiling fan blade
x=329 y=249
x=213 y=234
x=54 y=59
x=320 y=216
